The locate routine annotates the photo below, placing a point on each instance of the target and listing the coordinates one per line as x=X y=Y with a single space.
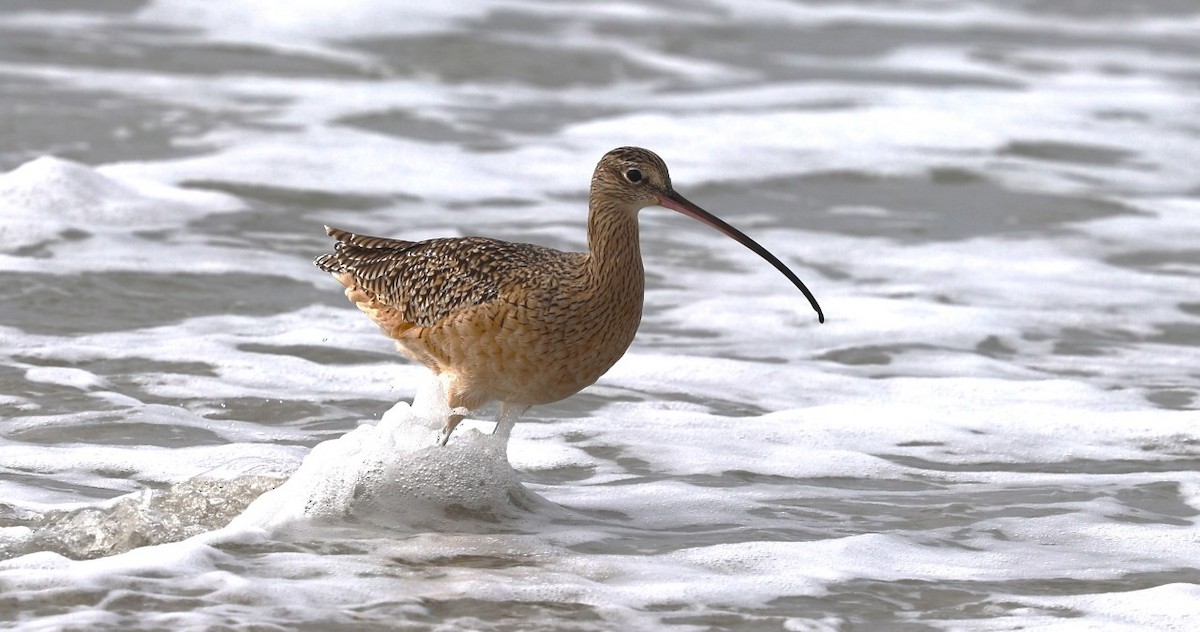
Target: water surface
x=996 y=204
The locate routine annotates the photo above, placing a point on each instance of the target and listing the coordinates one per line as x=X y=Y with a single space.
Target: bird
x=519 y=323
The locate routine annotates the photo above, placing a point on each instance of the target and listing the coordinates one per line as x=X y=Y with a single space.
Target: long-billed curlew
x=519 y=323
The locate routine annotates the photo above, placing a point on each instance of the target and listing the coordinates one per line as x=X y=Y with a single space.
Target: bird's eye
x=633 y=175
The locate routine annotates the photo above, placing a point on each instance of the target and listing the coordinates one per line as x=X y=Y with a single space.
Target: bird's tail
x=352 y=249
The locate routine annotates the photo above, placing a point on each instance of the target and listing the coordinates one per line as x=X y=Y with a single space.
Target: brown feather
x=519 y=323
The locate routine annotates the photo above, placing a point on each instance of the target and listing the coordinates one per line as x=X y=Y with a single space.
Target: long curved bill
x=672 y=200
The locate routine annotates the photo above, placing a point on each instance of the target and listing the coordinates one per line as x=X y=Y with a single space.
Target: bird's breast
x=564 y=341
x=543 y=338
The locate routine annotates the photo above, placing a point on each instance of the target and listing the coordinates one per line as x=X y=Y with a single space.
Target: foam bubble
x=394 y=474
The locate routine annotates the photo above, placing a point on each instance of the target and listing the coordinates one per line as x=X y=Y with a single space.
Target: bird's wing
x=426 y=281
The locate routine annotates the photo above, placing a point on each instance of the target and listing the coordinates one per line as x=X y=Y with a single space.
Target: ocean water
x=997 y=204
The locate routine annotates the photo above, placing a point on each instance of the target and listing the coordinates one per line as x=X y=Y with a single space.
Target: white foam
x=1167 y=607
x=133 y=466
x=394 y=473
x=64 y=376
x=263 y=20
x=48 y=195
x=348 y=161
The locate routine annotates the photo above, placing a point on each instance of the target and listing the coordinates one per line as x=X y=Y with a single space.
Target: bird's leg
x=507 y=418
x=456 y=415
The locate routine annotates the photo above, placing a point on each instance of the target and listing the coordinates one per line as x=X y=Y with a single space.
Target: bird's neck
x=615 y=258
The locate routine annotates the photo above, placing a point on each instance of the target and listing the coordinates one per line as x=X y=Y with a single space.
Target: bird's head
x=631 y=178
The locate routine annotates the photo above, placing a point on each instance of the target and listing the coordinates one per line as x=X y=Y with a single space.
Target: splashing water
x=394 y=475
x=391 y=475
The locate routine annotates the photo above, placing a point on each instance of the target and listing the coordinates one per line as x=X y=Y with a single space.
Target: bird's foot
x=456 y=415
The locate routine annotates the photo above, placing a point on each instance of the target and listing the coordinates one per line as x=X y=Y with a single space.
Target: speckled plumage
x=518 y=323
